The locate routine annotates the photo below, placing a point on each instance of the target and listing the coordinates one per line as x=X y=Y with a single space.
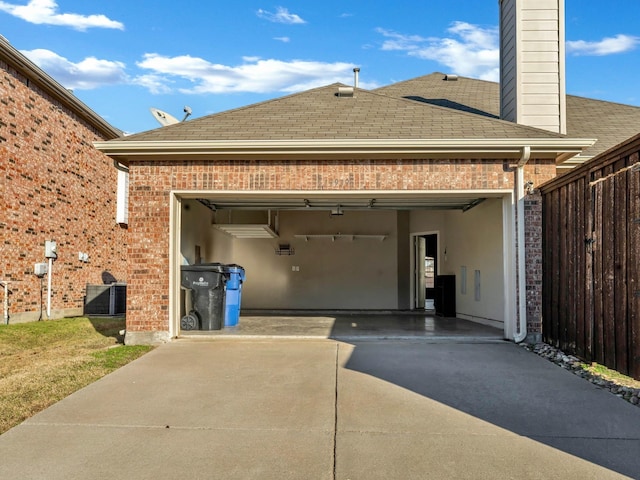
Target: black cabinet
x=445 y=301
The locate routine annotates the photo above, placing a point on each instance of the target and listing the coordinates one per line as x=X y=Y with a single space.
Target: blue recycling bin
x=233 y=294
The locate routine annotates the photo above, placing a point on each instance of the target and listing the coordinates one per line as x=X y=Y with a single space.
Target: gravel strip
x=574 y=365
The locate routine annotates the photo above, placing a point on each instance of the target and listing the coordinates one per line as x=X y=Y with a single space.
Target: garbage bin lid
x=204 y=267
x=234 y=268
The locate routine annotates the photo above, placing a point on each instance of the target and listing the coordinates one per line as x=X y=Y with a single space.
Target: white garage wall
x=475 y=240
x=196 y=230
x=340 y=274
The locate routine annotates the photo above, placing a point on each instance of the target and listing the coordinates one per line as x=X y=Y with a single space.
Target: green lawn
x=43 y=362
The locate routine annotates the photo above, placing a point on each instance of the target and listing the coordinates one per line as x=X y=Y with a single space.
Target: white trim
x=562 y=66
x=175 y=228
x=366 y=194
x=412 y=260
x=509 y=235
x=366 y=148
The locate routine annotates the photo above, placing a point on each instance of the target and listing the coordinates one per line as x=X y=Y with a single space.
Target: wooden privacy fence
x=591 y=256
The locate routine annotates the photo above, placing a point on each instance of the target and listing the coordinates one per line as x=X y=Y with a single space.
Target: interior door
x=420 y=253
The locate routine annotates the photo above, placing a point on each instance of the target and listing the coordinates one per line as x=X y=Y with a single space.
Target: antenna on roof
x=187 y=112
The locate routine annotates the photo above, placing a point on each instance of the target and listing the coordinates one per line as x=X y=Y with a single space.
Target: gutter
x=520 y=236
x=119 y=166
x=553 y=148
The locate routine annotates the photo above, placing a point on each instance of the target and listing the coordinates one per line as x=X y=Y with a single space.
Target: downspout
x=520 y=236
x=5 y=284
x=49 y=272
x=119 y=166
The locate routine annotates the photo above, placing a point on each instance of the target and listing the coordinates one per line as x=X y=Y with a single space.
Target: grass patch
x=43 y=362
x=611 y=375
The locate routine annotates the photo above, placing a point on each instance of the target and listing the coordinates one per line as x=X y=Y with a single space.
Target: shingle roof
x=610 y=123
x=321 y=114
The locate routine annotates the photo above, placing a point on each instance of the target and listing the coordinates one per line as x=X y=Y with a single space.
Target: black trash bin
x=206 y=282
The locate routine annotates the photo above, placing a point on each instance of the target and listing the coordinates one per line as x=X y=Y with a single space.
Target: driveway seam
x=335 y=412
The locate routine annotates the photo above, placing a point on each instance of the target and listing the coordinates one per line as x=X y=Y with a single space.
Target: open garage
x=351 y=251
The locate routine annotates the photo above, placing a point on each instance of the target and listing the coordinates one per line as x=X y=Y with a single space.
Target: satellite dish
x=163 y=118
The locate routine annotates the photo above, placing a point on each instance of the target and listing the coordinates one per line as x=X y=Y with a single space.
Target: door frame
x=414 y=266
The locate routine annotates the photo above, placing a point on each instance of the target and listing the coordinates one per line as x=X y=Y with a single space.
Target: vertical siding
x=591 y=231
x=508 y=60
x=532 y=63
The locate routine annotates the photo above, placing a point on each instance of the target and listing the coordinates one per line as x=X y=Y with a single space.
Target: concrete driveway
x=234 y=408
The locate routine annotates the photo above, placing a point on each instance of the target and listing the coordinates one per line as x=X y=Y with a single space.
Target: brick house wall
x=152 y=182
x=533 y=264
x=55 y=186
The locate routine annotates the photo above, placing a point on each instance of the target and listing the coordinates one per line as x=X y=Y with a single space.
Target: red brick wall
x=55 y=186
x=151 y=182
x=533 y=262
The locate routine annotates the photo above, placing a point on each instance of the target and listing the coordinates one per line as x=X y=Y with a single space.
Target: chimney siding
x=532 y=64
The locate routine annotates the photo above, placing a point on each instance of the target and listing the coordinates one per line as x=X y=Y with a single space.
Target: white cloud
x=85 y=75
x=281 y=15
x=607 y=46
x=473 y=51
x=156 y=84
x=254 y=75
x=470 y=50
x=283 y=39
x=44 y=12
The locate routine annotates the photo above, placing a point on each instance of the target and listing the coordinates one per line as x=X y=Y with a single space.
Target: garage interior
x=328 y=261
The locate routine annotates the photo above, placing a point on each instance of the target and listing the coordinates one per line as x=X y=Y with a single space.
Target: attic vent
x=345 y=92
x=450 y=78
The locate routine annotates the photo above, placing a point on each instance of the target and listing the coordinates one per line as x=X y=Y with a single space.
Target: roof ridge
x=469 y=114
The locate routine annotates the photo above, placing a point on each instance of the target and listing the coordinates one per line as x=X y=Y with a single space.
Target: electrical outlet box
x=40 y=269
x=50 y=249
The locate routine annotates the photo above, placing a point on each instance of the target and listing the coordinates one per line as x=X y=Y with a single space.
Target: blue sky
x=121 y=57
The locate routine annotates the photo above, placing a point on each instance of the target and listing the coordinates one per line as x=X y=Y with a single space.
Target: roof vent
x=450 y=78
x=345 y=92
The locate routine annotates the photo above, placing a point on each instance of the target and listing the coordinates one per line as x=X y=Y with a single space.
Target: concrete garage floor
x=352 y=326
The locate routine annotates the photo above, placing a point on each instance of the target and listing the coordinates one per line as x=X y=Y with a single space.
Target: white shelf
x=341 y=236
x=247 y=231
